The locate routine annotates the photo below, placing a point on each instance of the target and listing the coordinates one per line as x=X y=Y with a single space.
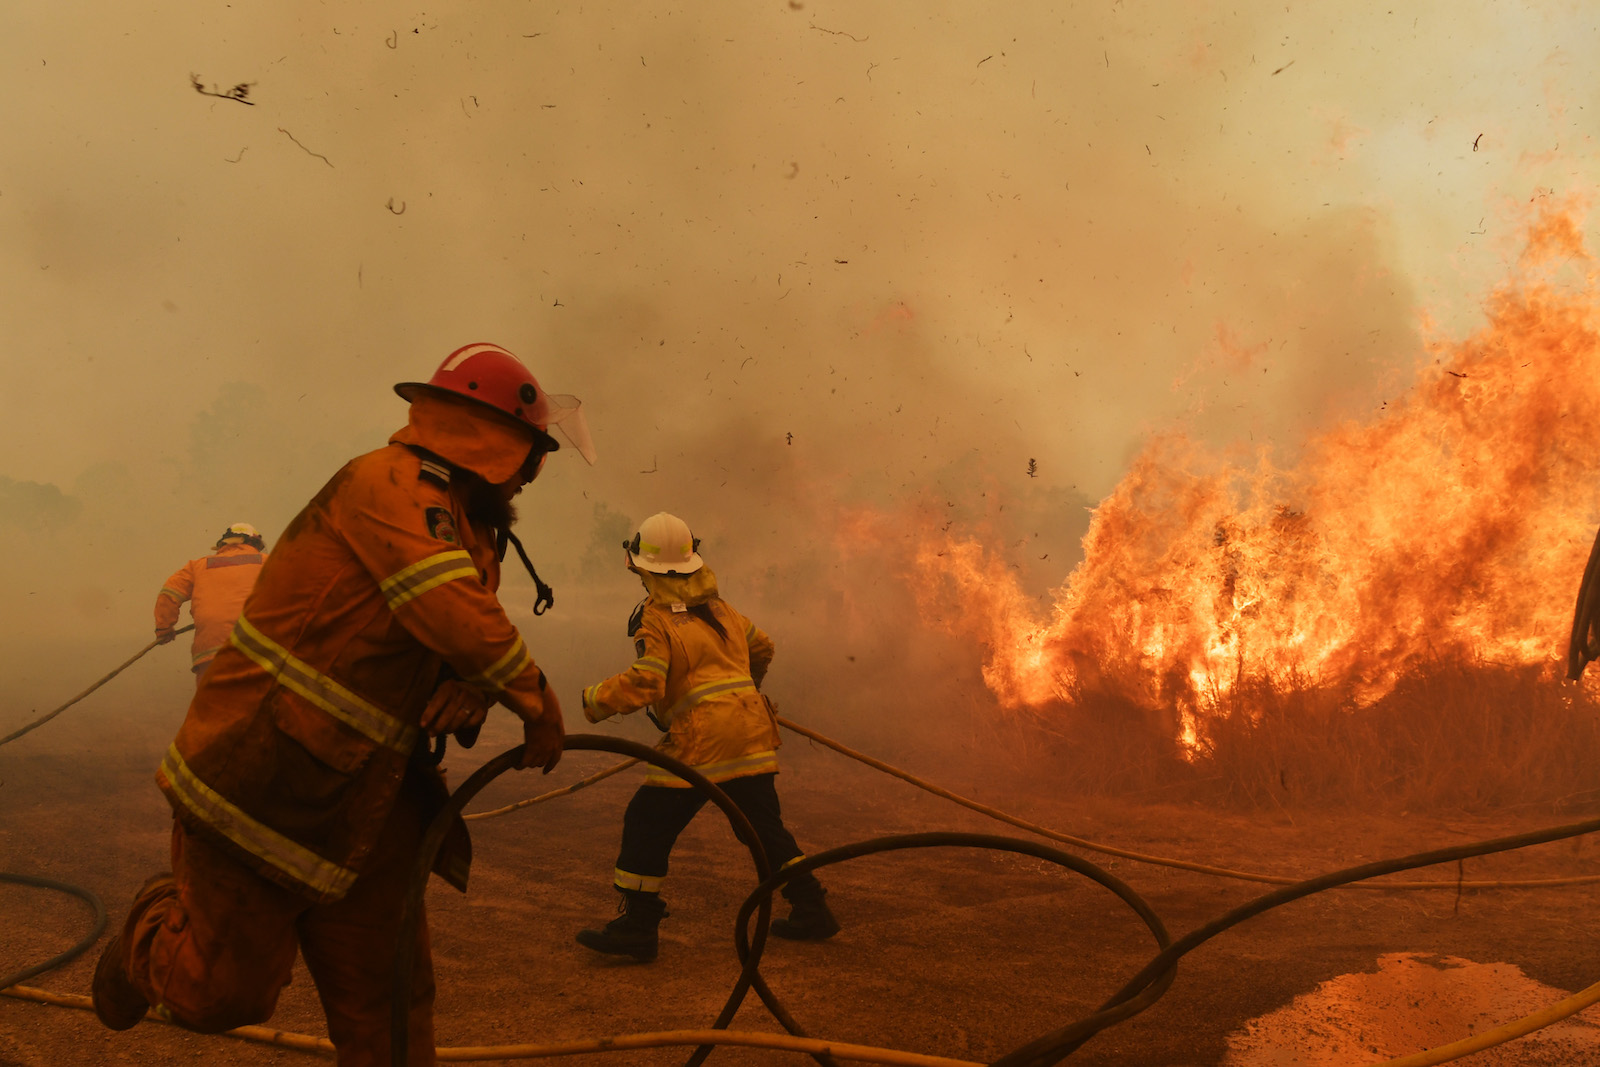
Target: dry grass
x=1448 y=737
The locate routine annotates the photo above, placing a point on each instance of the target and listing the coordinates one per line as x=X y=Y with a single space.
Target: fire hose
x=130 y=661
x=1138 y=994
x=760 y=900
x=1141 y=991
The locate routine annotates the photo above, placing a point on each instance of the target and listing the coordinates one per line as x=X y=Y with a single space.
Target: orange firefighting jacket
x=300 y=733
x=703 y=685
x=216 y=585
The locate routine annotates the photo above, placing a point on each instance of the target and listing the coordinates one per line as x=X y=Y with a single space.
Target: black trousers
x=657 y=814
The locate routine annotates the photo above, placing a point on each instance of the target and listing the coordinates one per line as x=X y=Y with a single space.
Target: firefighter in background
x=215 y=587
x=301 y=778
x=700 y=664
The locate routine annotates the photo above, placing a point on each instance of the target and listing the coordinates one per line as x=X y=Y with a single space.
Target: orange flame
x=1454 y=525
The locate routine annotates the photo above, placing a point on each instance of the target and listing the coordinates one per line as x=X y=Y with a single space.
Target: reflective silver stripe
x=256 y=838
x=406 y=585
x=651 y=664
x=438 y=470
x=707 y=690
x=175 y=595
x=628 y=880
x=295 y=674
x=252 y=560
x=503 y=671
x=755 y=763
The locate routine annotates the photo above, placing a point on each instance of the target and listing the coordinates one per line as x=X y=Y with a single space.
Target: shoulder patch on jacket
x=436 y=472
x=638 y=647
x=442 y=526
x=637 y=618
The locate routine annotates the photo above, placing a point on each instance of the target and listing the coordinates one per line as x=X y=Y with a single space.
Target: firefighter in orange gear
x=215 y=587
x=699 y=669
x=301 y=778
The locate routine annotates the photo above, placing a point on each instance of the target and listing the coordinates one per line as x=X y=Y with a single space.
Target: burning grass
x=1447 y=737
x=1379 y=622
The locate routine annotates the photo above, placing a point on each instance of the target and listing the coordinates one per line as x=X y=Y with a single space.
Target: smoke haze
x=796 y=258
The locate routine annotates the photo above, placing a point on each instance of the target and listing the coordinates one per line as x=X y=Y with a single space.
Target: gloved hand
x=542 y=737
x=592 y=711
x=455 y=705
x=165 y=635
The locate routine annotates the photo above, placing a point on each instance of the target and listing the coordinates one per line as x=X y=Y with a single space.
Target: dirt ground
x=952 y=952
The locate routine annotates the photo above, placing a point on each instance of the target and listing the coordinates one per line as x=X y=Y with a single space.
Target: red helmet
x=488 y=374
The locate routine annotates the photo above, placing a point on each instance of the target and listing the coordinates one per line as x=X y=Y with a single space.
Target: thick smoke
x=797 y=258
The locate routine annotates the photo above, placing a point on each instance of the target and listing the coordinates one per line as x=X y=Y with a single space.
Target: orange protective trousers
x=215 y=945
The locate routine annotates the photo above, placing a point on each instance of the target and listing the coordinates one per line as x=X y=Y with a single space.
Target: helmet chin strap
x=546 y=596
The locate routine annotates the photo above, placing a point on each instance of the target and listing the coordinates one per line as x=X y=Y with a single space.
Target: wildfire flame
x=1453 y=525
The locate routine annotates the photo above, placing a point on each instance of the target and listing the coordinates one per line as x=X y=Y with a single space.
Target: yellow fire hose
x=615 y=768
x=618 y=1043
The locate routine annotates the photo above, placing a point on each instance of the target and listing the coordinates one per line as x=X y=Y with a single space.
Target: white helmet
x=664 y=545
x=242 y=531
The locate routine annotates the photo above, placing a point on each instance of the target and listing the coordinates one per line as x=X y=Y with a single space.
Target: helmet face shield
x=566 y=421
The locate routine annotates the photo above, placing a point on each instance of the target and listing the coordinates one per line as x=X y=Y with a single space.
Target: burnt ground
x=952 y=952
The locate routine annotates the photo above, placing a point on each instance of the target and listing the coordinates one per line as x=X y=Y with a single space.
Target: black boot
x=633 y=931
x=809 y=918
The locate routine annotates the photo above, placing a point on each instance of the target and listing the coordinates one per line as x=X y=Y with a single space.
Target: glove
x=592 y=711
x=165 y=635
x=542 y=737
x=455 y=705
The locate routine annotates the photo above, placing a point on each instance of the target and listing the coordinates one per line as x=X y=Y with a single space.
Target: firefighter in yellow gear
x=698 y=671
x=215 y=588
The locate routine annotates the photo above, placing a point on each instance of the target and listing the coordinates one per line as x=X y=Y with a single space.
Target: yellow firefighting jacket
x=703 y=685
x=216 y=585
x=298 y=738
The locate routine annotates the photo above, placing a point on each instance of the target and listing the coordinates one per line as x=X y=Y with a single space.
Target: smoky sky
x=793 y=256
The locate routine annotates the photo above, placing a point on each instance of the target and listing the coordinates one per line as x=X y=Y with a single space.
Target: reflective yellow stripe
x=750 y=633
x=706 y=690
x=504 y=670
x=755 y=763
x=643 y=882
x=406 y=585
x=168 y=591
x=256 y=838
x=295 y=674
x=651 y=664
